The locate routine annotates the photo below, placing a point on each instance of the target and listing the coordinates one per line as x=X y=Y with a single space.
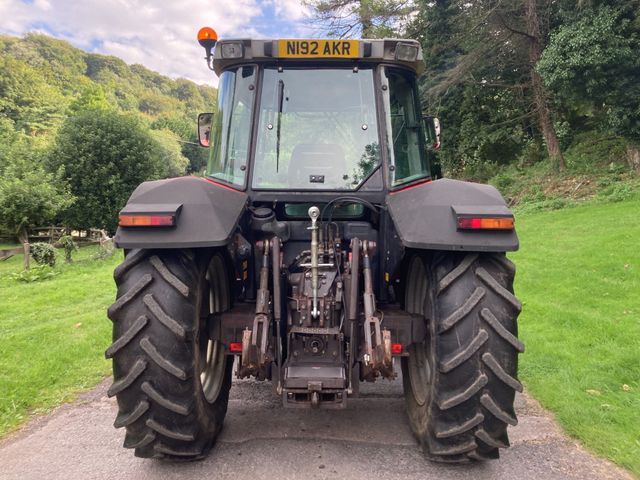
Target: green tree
x=436 y=28
x=481 y=59
x=362 y=18
x=592 y=65
x=10 y=142
x=29 y=195
x=92 y=97
x=57 y=62
x=187 y=135
x=169 y=153
x=188 y=93
x=26 y=98
x=105 y=156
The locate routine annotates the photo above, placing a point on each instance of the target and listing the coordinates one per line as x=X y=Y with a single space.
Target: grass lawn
x=579 y=279
x=53 y=334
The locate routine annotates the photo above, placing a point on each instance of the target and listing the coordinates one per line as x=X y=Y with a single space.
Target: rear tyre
x=171 y=381
x=460 y=382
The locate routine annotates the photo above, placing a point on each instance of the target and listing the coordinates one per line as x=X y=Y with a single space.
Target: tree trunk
x=539 y=93
x=23 y=235
x=633 y=158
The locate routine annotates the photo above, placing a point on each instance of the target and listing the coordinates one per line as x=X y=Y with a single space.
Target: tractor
x=318 y=251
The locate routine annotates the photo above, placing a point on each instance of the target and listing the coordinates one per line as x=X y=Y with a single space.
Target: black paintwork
x=208 y=217
x=425 y=216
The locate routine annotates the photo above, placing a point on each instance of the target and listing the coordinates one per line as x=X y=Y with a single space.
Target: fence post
x=27 y=250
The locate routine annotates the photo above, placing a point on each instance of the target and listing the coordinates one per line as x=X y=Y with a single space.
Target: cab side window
x=405 y=133
x=232 y=125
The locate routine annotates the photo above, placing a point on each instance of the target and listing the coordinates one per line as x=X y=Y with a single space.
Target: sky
x=161 y=35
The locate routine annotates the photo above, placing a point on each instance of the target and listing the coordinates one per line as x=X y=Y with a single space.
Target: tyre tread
x=489 y=403
x=463 y=311
x=163 y=401
x=456 y=398
x=129 y=295
x=474 y=366
x=169 y=277
x=156 y=365
x=461 y=428
x=122 y=420
x=168 y=432
x=509 y=337
x=489 y=440
x=130 y=377
x=493 y=284
x=168 y=366
x=133 y=258
x=456 y=273
x=127 y=336
x=462 y=355
x=491 y=362
x=130 y=442
x=160 y=315
x=167 y=450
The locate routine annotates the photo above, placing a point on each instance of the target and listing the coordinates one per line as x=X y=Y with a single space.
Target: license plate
x=318 y=48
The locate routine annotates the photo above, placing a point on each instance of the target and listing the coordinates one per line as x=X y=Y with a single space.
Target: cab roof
x=404 y=52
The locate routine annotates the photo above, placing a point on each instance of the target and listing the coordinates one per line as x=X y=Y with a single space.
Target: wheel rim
x=416 y=287
x=212 y=372
x=418 y=362
x=212 y=355
x=419 y=373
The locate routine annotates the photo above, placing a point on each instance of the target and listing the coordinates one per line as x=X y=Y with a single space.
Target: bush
x=29 y=196
x=502 y=181
x=594 y=152
x=106 y=250
x=480 y=171
x=617 y=192
x=44 y=254
x=35 y=274
x=104 y=156
x=69 y=247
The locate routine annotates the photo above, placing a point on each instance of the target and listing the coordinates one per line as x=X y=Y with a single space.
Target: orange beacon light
x=207 y=37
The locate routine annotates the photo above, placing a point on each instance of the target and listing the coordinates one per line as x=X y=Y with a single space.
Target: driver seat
x=315 y=164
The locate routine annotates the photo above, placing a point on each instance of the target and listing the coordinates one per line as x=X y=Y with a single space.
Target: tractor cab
x=317 y=115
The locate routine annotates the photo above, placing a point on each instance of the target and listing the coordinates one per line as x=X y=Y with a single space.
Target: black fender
x=425 y=216
x=207 y=214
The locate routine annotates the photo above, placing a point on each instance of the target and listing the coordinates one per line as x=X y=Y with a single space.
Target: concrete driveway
x=261 y=440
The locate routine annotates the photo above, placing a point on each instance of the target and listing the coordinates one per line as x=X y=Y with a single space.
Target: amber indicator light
x=147 y=220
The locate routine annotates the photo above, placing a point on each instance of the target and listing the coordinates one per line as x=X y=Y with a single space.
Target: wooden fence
x=10 y=252
x=53 y=234
x=83 y=238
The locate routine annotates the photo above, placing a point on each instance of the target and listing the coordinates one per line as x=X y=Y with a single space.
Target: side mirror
x=204 y=129
x=432 y=128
